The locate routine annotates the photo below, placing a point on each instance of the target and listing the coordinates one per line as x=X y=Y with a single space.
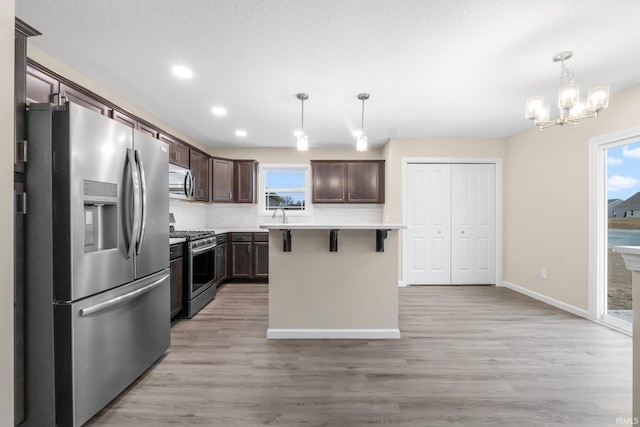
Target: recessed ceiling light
x=182 y=72
x=219 y=111
x=241 y=132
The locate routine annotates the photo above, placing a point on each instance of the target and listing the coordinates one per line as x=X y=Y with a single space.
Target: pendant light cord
x=362 y=123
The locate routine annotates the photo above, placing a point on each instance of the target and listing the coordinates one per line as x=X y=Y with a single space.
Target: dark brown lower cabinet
x=221 y=263
x=249 y=256
x=241 y=260
x=261 y=260
x=176 y=266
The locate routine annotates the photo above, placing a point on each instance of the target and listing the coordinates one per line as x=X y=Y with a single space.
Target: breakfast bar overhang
x=322 y=286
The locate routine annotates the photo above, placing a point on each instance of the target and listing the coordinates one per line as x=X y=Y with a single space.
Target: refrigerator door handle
x=143 y=186
x=122 y=298
x=135 y=184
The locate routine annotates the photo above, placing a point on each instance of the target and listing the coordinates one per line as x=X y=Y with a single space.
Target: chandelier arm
x=554 y=123
x=577 y=119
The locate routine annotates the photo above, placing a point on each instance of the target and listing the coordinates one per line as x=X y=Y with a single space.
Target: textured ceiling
x=434 y=68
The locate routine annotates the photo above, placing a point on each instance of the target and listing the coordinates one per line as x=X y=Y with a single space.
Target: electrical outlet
x=543 y=273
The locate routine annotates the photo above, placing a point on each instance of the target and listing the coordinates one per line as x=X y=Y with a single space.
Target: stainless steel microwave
x=181 y=183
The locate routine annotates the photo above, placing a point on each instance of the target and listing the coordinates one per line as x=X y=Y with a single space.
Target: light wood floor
x=469 y=356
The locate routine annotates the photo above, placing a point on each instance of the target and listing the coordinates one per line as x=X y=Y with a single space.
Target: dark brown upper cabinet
x=347 y=181
x=222 y=180
x=129 y=120
x=245 y=181
x=41 y=87
x=200 y=170
x=124 y=119
x=148 y=130
x=365 y=182
x=67 y=93
x=329 y=180
x=178 y=151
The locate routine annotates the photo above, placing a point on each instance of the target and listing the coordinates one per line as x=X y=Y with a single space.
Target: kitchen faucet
x=284 y=215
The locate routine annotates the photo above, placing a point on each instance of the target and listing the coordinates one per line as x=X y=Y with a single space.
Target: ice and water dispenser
x=100 y=216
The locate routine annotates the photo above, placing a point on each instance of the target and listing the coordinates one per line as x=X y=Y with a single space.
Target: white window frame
x=262 y=190
x=598 y=225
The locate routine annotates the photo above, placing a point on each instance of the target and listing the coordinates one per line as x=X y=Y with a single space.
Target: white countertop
x=634 y=250
x=238 y=230
x=631 y=256
x=176 y=240
x=376 y=226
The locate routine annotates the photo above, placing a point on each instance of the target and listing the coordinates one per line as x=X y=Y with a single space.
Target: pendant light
x=361 y=140
x=303 y=140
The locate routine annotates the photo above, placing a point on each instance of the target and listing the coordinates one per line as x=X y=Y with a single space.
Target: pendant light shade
x=303 y=140
x=361 y=140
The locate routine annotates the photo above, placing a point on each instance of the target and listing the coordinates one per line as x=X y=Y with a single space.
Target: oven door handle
x=203 y=249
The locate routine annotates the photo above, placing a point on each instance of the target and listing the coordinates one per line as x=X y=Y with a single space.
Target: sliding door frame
x=598 y=224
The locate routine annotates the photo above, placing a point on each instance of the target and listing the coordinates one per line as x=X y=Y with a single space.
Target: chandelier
x=572 y=107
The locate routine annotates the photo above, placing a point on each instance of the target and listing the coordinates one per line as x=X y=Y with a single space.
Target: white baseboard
x=402 y=284
x=368 y=334
x=551 y=301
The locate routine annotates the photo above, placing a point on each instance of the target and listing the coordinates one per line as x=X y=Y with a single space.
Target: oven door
x=202 y=268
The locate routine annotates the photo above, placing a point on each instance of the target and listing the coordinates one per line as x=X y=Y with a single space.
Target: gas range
x=196 y=238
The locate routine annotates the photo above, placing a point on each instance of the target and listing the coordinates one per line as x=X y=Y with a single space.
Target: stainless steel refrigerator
x=97 y=259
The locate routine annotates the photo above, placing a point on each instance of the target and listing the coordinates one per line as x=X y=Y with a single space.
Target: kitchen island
x=333 y=281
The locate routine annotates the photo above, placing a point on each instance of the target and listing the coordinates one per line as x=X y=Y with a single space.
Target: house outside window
x=284 y=186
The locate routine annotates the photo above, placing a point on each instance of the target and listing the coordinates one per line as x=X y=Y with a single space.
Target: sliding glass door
x=623 y=225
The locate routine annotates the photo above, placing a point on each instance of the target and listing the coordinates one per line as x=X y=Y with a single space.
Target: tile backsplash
x=189 y=216
x=193 y=216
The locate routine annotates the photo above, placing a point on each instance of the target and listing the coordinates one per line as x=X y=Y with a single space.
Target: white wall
x=547 y=201
x=7 y=46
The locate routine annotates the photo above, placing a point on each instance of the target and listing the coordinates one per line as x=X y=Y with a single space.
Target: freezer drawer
x=103 y=343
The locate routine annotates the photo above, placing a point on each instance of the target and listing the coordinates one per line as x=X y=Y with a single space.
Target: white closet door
x=428 y=241
x=473 y=224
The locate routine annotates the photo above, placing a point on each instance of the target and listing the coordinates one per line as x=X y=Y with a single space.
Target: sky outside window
x=623 y=171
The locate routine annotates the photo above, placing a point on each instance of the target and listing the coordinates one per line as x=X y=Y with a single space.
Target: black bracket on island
x=286 y=235
x=381 y=235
